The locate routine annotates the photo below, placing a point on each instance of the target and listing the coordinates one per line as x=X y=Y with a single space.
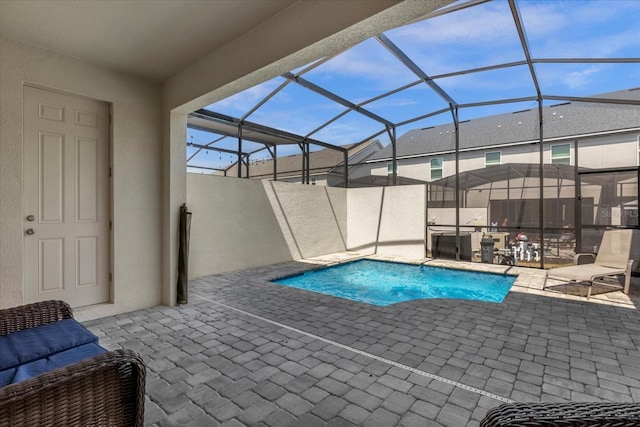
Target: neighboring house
x=326 y=165
x=500 y=154
x=429 y=154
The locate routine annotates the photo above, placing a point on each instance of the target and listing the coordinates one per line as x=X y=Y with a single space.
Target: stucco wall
x=387 y=220
x=136 y=160
x=232 y=226
x=241 y=223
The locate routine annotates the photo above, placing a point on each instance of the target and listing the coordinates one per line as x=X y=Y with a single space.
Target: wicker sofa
x=105 y=389
x=567 y=414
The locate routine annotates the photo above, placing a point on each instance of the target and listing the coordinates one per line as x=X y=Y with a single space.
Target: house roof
x=321 y=161
x=560 y=121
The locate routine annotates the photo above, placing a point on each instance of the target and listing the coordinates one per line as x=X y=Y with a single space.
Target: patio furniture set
x=54 y=372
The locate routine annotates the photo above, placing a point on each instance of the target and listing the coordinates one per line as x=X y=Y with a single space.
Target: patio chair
x=613 y=259
x=107 y=389
x=567 y=414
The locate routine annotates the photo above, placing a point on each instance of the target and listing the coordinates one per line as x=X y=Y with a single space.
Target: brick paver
x=210 y=364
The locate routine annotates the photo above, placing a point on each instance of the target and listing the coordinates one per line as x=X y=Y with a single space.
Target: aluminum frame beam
x=398 y=53
x=336 y=98
x=258 y=128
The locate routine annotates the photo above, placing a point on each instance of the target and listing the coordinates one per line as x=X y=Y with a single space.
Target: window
x=561 y=154
x=436 y=168
x=390 y=168
x=492 y=158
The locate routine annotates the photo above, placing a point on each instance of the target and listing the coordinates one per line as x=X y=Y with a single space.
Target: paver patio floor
x=245 y=351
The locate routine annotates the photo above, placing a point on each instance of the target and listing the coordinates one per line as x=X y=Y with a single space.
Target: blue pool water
x=384 y=283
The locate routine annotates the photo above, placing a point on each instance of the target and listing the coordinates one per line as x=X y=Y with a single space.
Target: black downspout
x=183 y=255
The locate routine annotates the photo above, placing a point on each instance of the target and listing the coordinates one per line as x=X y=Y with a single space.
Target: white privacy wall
x=241 y=223
x=387 y=220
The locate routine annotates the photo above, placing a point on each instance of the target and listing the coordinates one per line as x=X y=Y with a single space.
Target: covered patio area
x=245 y=351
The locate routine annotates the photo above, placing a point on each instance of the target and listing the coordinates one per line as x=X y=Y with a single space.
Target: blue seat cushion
x=31 y=344
x=46 y=364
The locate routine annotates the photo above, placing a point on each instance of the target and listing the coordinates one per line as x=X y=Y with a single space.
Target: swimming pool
x=384 y=283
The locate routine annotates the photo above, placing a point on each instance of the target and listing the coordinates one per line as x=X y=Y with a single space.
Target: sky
x=479 y=36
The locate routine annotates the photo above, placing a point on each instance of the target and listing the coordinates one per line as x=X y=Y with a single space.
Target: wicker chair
x=104 y=390
x=574 y=414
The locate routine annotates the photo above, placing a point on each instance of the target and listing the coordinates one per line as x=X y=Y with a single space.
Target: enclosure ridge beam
x=336 y=98
x=264 y=100
x=327 y=123
x=424 y=116
x=258 y=128
x=479 y=69
x=398 y=53
x=391 y=92
x=499 y=101
x=525 y=45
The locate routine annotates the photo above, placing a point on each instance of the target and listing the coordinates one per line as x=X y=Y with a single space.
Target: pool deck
x=245 y=351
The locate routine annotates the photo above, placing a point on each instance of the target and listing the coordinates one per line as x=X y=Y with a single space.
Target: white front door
x=66 y=198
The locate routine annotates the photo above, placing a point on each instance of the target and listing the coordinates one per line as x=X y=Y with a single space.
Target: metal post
x=240 y=150
x=456 y=124
x=391 y=131
x=308 y=164
x=275 y=165
x=346 y=169
x=248 y=162
x=541 y=136
x=577 y=204
x=304 y=161
x=395 y=156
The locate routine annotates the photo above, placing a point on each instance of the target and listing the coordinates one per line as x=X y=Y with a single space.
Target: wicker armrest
x=104 y=390
x=591 y=414
x=31 y=315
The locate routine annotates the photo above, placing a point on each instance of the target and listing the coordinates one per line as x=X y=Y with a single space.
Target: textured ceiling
x=154 y=39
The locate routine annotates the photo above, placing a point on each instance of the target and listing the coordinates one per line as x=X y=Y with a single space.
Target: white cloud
x=489 y=22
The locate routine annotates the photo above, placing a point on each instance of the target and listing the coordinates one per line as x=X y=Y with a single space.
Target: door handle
x=31 y=218
x=30 y=231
